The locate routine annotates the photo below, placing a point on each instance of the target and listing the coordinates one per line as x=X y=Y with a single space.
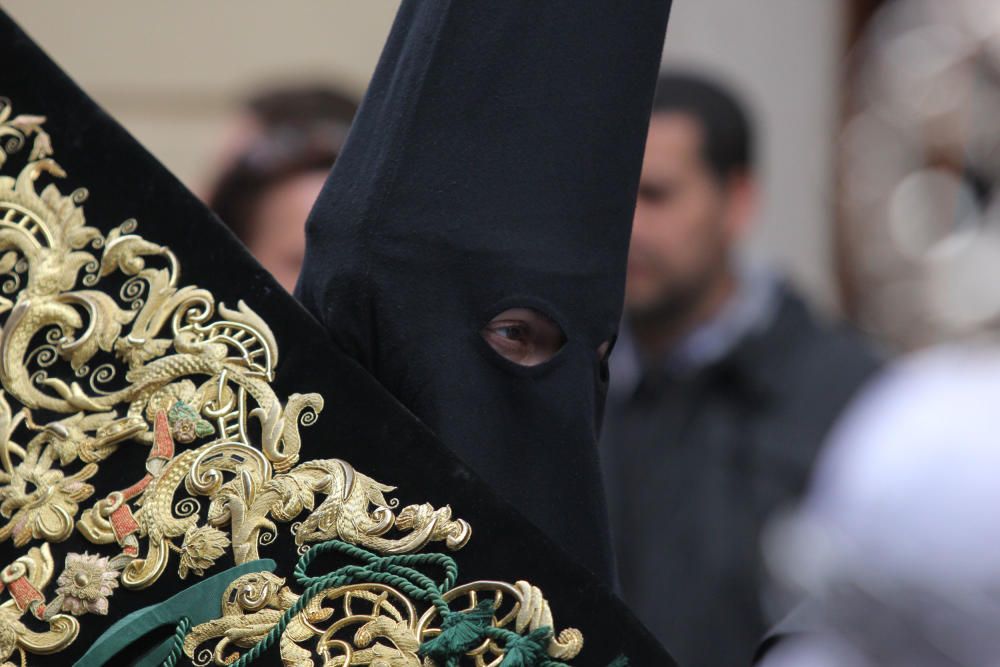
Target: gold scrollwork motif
x=365 y=624
x=99 y=337
x=379 y=624
x=23 y=579
x=521 y=607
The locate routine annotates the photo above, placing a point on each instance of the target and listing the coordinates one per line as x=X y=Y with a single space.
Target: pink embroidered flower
x=86 y=584
x=184 y=431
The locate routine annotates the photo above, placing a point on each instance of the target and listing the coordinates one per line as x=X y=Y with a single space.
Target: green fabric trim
x=189 y=604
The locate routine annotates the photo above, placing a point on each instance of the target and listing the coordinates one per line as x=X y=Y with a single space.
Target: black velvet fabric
x=361 y=422
x=494 y=164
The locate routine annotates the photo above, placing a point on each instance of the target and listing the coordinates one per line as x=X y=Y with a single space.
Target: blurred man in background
x=723 y=385
x=279 y=154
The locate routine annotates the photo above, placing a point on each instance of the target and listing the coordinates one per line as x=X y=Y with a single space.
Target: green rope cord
x=527 y=650
x=394 y=571
x=460 y=630
x=530 y=650
x=180 y=632
x=460 y=633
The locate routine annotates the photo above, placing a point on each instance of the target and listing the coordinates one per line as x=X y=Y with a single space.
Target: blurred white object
x=897 y=544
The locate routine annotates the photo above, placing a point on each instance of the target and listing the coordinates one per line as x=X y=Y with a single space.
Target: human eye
x=524 y=336
x=516 y=331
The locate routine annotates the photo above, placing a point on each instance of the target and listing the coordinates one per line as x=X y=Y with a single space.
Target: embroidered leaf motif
x=202 y=546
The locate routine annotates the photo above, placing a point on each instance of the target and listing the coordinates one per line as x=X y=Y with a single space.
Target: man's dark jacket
x=695 y=465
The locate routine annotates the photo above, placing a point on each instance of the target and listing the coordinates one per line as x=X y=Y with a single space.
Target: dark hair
x=301 y=130
x=727 y=145
x=301 y=105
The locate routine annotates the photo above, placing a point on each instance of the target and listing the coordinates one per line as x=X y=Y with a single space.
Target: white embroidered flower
x=85 y=584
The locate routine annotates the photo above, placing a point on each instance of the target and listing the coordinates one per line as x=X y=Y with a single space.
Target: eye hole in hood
x=524 y=336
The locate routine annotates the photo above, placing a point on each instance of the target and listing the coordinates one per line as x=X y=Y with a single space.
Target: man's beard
x=673 y=306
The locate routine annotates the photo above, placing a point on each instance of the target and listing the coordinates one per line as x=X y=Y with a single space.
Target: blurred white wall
x=173 y=71
x=784 y=57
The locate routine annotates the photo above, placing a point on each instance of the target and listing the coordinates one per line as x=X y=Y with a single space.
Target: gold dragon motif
x=102 y=348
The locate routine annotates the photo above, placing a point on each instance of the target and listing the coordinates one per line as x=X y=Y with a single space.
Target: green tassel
x=460 y=633
x=620 y=661
x=528 y=650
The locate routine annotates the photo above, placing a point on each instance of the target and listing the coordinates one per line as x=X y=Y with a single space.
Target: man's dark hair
x=727 y=144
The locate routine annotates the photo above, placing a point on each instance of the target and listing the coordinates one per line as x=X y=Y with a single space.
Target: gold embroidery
x=23 y=579
x=15 y=131
x=365 y=624
x=160 y=365
x=251 y=606
x=85 y=585
x=154 y=365
x=529 y=611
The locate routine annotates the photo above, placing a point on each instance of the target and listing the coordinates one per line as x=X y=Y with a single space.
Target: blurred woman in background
x=281 y=149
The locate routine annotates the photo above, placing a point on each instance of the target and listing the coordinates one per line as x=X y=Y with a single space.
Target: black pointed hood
x=494 y=164
x=177 y=434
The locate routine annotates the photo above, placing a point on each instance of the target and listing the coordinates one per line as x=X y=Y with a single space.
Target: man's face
x=685 y=223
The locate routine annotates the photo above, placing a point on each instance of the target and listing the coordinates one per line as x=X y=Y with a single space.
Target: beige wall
x=172 y=71
x=784 y=56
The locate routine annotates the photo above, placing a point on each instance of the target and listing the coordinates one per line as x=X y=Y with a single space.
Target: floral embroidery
x=201 y=547
x=182 y=402
x=186 y=424
x=85 y=585
x=41 y=502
